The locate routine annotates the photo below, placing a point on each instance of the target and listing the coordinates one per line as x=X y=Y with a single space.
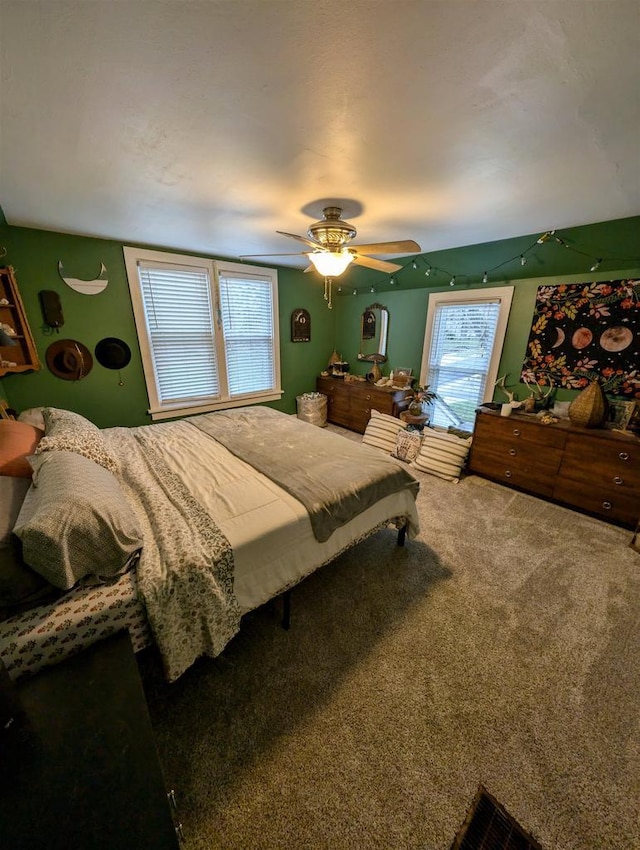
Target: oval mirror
x=374 y=330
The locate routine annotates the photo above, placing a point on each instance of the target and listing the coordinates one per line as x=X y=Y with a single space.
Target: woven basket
x=589 y=409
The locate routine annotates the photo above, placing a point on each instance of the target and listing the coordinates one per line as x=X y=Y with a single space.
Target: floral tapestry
x=586 y=331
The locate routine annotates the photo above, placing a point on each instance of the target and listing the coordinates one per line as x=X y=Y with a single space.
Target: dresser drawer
x=612 y=504
x=595 y=461
x=331 y=387
x=367 y=397
x=338 y=404
x=518 y=465
x=517 y=428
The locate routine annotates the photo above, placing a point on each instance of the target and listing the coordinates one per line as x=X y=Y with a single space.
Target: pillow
x=33 y=416
x=75 y=521
x=459 y=432
x=69 y=432
x=407 y=445
x=18 y=440
x=381 y=431
x=20 y=586
x=442 y=454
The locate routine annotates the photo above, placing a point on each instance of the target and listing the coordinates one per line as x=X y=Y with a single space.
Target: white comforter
x=271 y=544
x=269 y=531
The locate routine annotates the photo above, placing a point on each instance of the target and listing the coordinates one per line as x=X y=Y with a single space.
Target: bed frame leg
x=402 y=533
x=286 y=609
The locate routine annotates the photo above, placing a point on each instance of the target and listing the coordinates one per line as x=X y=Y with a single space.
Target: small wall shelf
x=23 y=356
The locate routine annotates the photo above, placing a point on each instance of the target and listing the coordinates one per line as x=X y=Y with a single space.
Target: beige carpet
x=502 y=647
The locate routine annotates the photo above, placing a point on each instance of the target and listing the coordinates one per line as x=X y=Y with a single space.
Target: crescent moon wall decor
x=584 y=332
x=86 y=287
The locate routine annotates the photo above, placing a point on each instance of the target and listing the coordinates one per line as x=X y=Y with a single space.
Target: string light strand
x=549 y=236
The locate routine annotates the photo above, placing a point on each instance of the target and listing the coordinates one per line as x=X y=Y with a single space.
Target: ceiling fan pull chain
x=328 y=281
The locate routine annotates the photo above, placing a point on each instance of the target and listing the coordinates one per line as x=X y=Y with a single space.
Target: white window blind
x=177 y=308
x=463 y=343
x=208 y=331
x=246 y=305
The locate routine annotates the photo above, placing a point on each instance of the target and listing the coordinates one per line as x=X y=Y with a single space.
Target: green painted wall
x=407 y=299
x=34 y=254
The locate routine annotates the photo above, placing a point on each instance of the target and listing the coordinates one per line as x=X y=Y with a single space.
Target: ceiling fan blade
x=378 y=265
x=406 y=246
x=311 y=242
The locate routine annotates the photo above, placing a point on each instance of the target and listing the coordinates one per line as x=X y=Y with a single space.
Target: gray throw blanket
x=335 y=479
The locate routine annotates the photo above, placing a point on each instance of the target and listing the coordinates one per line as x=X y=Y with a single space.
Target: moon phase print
x=582 y=332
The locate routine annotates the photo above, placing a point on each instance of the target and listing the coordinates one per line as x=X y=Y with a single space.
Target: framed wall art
x=620 y=414
x=583 y=332
x=300 y=325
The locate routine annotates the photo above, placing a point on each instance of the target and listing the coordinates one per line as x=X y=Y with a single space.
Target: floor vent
x=488 y=826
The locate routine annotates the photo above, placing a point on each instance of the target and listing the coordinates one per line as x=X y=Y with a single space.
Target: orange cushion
x=18 y=440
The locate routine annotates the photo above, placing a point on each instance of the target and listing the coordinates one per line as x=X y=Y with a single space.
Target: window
x=208 y=331
x=463 y=342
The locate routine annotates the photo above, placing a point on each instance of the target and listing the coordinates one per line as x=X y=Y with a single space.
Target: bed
x=228 y=510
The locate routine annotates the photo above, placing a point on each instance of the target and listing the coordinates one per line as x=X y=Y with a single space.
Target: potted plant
x=421 y=396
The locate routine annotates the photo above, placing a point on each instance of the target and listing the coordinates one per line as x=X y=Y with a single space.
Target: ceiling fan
x=330 y=252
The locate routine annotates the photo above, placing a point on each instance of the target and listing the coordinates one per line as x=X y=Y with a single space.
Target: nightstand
x=80 y=769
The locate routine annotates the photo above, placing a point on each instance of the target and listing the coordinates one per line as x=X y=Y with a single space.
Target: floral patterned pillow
x=407 y=445
x=71 y=432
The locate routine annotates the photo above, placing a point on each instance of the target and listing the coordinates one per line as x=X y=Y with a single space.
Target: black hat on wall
x=113 y=353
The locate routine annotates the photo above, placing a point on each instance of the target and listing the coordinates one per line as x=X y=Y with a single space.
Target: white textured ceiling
x=206 y=126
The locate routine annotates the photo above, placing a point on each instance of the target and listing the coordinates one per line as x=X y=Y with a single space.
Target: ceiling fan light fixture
x=331 y=231
x=331 y=263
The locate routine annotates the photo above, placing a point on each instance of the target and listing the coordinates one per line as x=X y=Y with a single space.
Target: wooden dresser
x=349 y=403
x=592 y=470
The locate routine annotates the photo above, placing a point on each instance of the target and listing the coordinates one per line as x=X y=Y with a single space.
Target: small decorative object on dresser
x=374 y=374
x=620 y=414
x=589 y=409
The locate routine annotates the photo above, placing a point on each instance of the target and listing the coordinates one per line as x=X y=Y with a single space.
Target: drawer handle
x=180 y=833
x=516 y=432
x=368 y=398
x=513 y=452
x=507 y=474
x=172 y=799
x=624 y=455
x=607 y=506
x=617 y=480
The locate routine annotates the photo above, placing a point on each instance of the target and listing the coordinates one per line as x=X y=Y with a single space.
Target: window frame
x=215 y=269
x=502 y=294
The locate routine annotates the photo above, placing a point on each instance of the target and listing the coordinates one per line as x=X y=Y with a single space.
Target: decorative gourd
x=589 y=409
